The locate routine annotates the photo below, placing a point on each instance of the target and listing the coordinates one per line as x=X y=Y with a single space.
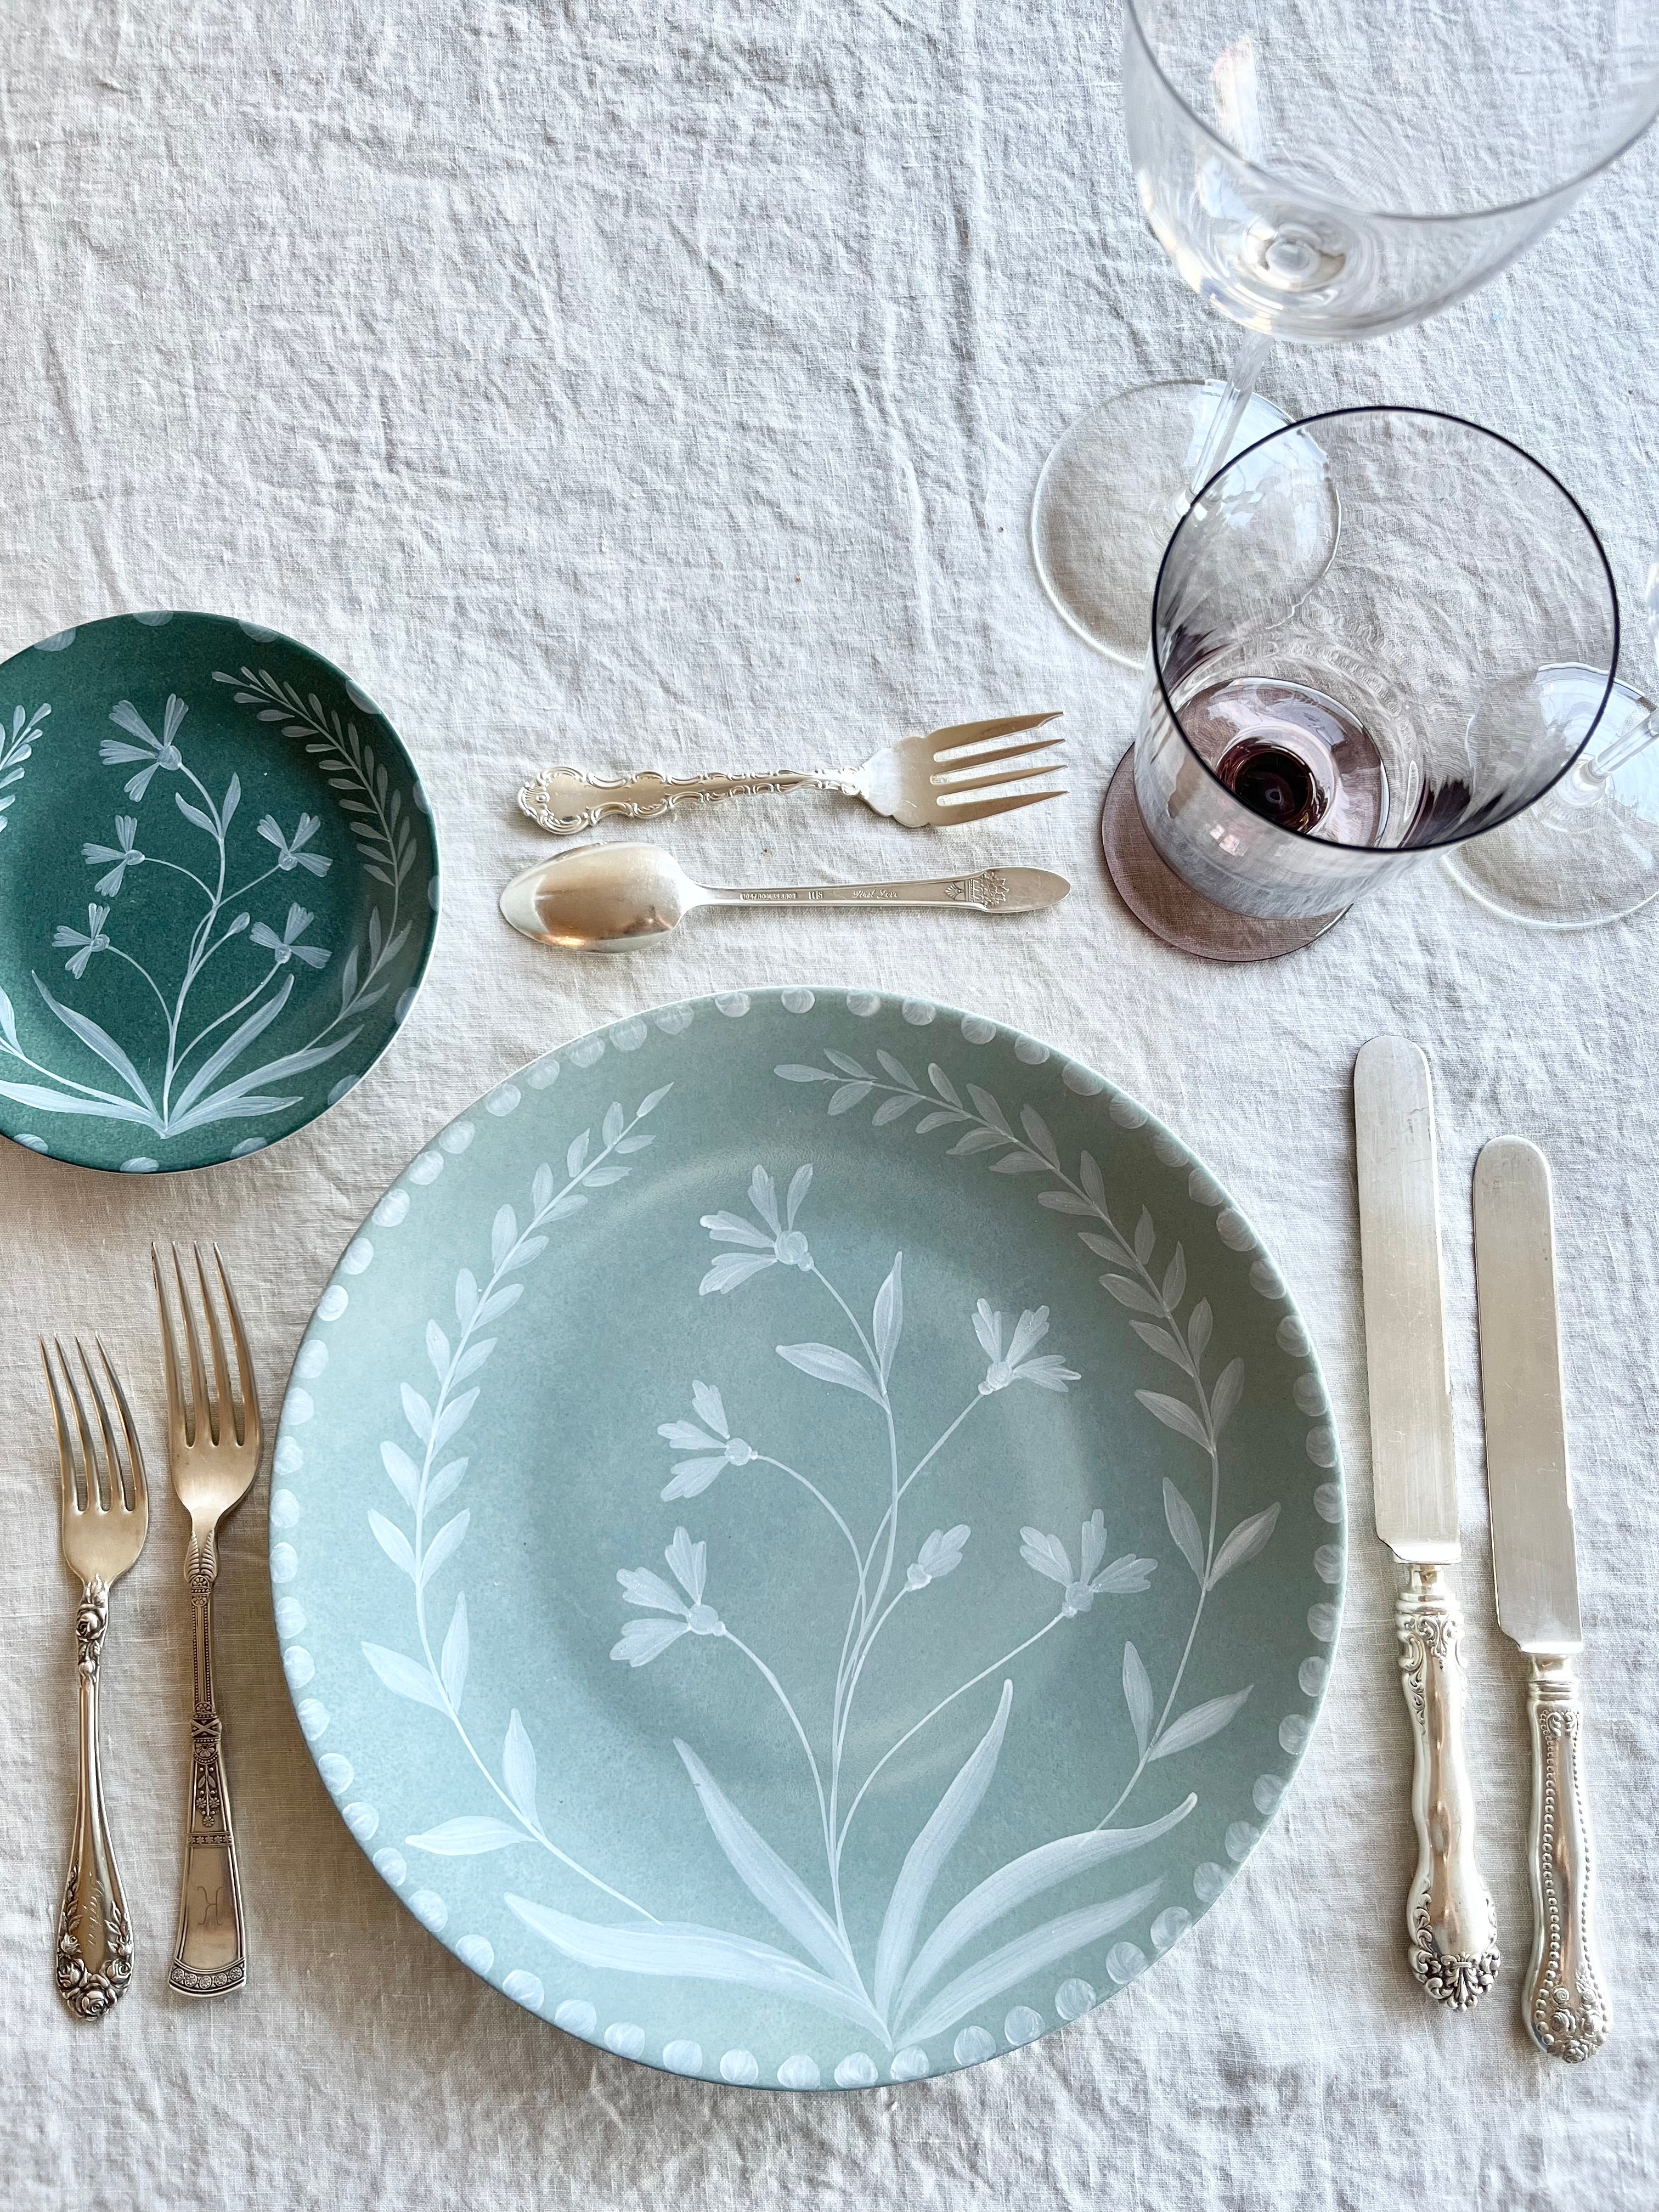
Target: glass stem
x=1239 y=389
x=1595 y=771
x=1604 y=765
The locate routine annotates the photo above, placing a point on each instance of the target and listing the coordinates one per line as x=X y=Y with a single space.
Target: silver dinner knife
x=1450 y=1929
x=1535 y=1565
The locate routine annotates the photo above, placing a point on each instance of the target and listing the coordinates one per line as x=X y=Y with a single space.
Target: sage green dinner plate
x=218 y=890
x=807 y=1538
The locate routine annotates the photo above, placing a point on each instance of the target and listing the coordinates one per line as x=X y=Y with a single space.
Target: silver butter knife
x=1450 y=1928
x=1535 y=1565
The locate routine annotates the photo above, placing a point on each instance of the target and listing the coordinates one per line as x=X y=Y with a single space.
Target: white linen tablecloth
x=667 y=386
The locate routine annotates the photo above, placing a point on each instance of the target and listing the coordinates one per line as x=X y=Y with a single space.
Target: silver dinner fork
x=105 y=1515
x=919 y=782
x=213 y=1442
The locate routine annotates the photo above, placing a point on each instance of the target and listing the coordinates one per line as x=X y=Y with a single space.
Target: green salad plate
x=218 y=890
x=806 y=1537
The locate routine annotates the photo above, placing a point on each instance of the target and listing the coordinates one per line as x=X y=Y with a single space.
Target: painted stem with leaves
x=1154 y=1300
x=895 y=1993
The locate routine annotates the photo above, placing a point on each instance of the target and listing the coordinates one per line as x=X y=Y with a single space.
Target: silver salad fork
x=922 y=782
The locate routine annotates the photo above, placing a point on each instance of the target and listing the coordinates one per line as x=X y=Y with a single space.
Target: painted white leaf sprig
x=425 y=1478
x=15 y=750
x=896 y=1992
x=1153 y=1294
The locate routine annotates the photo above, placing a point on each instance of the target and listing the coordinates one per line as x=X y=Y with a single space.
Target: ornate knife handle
x=95 y=1937
x=1565 y=2004
x=564 y=800
x=1450 y=1929
x=208 y=1954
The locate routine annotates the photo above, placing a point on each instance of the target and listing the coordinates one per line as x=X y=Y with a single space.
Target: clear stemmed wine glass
x=1322 y=170
x=1588 y=852
x=1320 y=713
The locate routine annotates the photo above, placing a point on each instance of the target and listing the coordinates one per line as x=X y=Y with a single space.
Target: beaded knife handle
x=1565 y=2000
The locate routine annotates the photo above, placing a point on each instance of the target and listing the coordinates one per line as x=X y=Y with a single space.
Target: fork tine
x=244 y=1359
x=135 y=1451
x=66 y=1470
x=965 y=763
x=942 y=789
x=202 y=1411
x=228 y=1424
x=178 y=1428
x=975 y=733
x=986 y=807
x=96 y=1502
x=114 y=1475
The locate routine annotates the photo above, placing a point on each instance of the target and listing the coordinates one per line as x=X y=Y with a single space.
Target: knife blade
x=1535 y=1571
x=1450 y=1928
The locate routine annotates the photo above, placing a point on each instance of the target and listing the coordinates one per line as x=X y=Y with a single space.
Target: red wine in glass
x=1291 y=754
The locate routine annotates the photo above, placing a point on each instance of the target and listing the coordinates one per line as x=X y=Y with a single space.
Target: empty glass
x=1322 y=170
x=1324 y=708
x=1588 y=852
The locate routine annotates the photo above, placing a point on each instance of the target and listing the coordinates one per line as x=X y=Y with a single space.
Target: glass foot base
x=1169 y=907
x=1110 y=496
x=1587 y=852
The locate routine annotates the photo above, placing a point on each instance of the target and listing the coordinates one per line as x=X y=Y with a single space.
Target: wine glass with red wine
x=1318 y=716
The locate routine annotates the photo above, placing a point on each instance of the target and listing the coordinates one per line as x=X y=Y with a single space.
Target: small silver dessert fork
x=105 y=1515
x=214 y=1443
x=921 y=782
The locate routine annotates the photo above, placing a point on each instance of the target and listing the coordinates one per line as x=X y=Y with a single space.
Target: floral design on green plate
x=260 y=890
x=896 y=1586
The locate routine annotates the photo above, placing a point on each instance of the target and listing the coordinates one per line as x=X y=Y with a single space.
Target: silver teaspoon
x=613 y=898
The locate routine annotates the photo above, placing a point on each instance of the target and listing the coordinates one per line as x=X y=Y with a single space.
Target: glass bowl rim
x=1381 y=853
x=1570 y=184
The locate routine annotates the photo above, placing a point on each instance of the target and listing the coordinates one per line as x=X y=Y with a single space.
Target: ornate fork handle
x=94 y=1936
x=564 y=800
x=208 y=1956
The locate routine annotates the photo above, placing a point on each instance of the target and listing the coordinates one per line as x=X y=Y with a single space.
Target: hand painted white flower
x=641 y=1641
x=1048 y=1373
x=938 y=1556
x=93 y=941
x=781 y=1244
x=287 y=947
x=289 y=853
x=722 y=1449
x=155 y=752
x=125 y=853
x=1048 y=1555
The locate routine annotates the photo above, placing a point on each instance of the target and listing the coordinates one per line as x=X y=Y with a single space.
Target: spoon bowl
x=601 y=898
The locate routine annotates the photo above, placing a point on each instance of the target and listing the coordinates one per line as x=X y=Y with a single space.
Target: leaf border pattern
x=439 y=1679
x=374 y=813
